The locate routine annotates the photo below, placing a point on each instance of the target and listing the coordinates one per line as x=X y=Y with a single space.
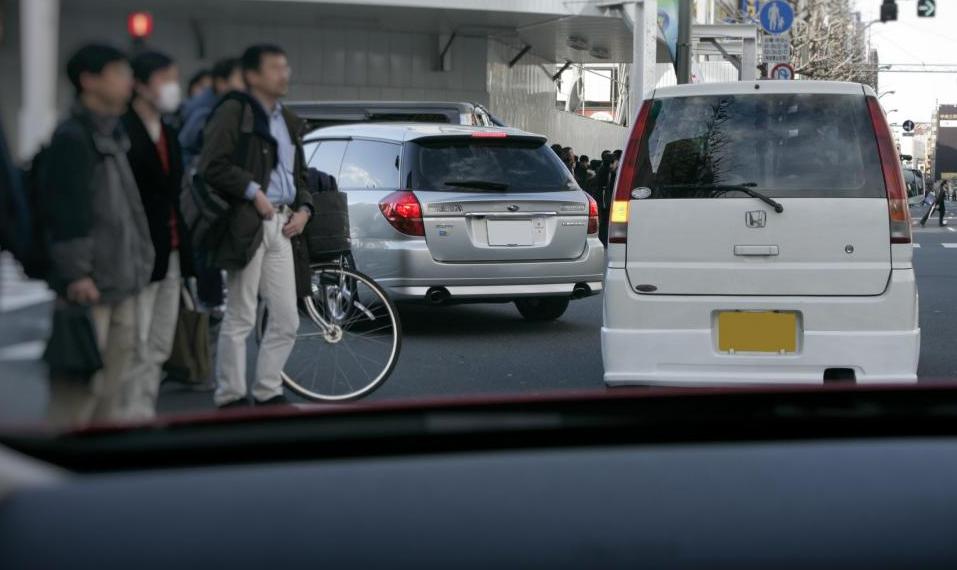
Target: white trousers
x=157 y=309
x=270 y=275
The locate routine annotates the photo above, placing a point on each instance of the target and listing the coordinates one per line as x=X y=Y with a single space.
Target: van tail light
x=592 y=216
x=618 y=220
x=403 y=211
x=897 y=208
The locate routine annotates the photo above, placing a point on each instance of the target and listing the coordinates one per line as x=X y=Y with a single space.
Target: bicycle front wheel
x=349 y=337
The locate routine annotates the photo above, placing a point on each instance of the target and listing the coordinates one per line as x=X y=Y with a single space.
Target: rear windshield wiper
x=480 y=184
x=747 y=188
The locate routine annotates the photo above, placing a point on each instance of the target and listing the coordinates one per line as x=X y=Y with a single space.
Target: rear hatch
x=701 y=231
x=496 y=197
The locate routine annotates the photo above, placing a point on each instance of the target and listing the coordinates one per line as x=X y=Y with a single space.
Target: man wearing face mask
x=155 y=158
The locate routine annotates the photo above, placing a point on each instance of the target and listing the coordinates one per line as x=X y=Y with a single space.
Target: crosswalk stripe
x=31 y=350
x=16 y=291
x=916 y=245
x=949 y=245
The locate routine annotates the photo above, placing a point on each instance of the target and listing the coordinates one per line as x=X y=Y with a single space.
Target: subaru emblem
x=513 y=207
x=756 y=219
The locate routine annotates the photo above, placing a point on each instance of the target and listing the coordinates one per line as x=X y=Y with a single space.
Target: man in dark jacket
x=101 y=251
x=253 y=156
x=154 y=156
x=227 y=77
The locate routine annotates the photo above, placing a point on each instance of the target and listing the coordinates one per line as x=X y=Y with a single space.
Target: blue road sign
x=777 y=16
x=926 y=8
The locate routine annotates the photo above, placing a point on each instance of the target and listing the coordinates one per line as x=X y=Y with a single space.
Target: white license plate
x=509 y=233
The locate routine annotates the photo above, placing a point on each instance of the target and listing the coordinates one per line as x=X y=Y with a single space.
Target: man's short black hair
x=618 y=153
x=91 y=58
x=197 y=77
x=225 y=67
x=583 y=158
x=253 y=56
x=147 y=63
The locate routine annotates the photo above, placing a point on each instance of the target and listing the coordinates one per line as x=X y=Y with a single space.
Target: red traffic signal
x=139 y=25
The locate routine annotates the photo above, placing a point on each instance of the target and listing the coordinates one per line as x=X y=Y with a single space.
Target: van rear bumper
x=670 y=340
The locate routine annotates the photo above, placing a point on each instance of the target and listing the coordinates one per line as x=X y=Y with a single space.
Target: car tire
x=542 y=308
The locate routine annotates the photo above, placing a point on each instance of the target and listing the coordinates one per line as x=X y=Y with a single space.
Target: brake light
x=403 y=211
x=489 y=135
x=897 y=209
x=618 y=220
x=592 y=215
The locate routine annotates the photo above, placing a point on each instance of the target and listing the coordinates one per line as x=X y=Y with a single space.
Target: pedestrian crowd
x=107 y=197
x=114 y=202
x=596 y=177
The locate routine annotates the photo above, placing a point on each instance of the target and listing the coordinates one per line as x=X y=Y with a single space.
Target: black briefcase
x=327 y=233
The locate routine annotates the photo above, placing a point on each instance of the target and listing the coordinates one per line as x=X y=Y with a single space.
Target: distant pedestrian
x=102 y=256
x=581 y=171
x=199 y=82
x=154 y=156
x=267 y=186
x=935 y=201
x=227 y=76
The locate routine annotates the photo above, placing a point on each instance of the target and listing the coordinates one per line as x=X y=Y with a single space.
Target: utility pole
x=683 y=55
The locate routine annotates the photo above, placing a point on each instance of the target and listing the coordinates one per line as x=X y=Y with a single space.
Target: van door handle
x=756 y=250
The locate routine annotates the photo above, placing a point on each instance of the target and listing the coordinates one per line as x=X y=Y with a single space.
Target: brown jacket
x=237 y=150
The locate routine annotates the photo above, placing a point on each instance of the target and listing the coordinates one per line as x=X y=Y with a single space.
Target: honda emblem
x=756 y=219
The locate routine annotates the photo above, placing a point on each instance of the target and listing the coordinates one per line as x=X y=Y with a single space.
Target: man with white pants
x=156 y=160
x=253 y=157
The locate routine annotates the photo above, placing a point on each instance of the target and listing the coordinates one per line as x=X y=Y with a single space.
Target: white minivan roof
x=764 y=86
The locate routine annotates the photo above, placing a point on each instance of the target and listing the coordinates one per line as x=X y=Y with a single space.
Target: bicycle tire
x=310 y=303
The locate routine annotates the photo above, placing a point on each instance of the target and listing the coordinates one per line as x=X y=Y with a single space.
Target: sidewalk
x=24 y=327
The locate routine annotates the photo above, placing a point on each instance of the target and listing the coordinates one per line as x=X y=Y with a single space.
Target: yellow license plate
x=752 y=331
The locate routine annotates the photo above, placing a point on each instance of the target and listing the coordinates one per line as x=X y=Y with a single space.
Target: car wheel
x=542 y=308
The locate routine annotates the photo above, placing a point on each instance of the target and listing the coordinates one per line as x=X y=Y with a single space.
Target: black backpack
x=34 y=251
x=14 y=213
x=204 y=210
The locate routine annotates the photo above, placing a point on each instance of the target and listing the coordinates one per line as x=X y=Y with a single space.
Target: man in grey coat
x=101 y=251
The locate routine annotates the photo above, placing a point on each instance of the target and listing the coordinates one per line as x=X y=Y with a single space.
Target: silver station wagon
x=449 y=214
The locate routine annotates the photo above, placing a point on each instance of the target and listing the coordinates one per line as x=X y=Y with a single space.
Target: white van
x=760 y=233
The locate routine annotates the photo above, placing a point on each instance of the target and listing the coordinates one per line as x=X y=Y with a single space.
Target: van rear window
x=783 y=145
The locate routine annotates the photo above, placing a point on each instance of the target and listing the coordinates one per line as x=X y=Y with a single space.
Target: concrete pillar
x=749 y=59
x=642 y=17
x=39 y=34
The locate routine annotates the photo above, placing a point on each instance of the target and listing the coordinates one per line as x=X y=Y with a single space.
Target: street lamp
x=892 y=111
x=885 y=93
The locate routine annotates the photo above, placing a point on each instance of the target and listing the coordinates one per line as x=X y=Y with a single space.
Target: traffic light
x=888 y=11
x=139 y=25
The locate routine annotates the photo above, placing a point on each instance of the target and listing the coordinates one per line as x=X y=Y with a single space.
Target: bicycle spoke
x=354 y=357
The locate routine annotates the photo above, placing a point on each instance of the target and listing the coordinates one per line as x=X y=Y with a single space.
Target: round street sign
x=908 y=125
x=777 y=16
x=782 y=71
